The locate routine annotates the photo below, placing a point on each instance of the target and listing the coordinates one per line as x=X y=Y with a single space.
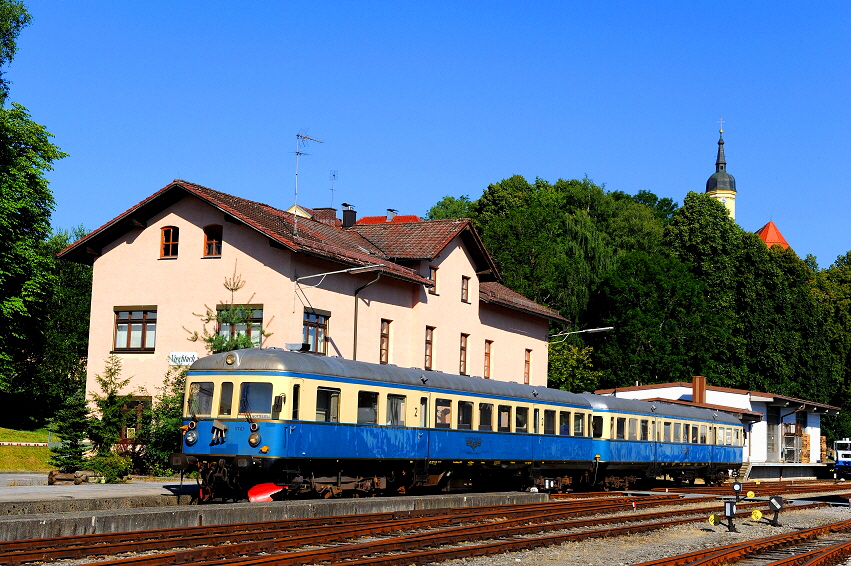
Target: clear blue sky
x=417 y=100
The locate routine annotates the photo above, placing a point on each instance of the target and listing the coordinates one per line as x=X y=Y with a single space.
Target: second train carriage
x=313 y=424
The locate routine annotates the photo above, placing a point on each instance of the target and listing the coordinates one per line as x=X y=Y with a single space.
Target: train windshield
x=843 y=447
x=255 y=399
x=200 y=398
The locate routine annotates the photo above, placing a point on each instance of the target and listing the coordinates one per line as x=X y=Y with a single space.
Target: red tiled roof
x=423 y=240
x=383 y=219
x=491 y=292
x=771 y=235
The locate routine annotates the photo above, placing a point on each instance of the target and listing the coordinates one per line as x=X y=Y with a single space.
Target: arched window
x=169 y=239
x=212 y=240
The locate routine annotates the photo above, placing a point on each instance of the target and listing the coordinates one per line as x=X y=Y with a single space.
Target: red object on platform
x=263 y=492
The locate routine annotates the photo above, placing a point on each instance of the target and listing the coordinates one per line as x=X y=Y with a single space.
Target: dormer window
x=213 y=240
x=169 y=239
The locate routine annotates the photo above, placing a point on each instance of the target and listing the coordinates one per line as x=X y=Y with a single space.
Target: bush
x=113 y=467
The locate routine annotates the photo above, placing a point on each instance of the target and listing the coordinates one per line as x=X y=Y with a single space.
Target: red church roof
x=771 y=235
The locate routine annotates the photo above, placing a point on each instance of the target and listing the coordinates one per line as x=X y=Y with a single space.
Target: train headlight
x=191 y=437
x=254 y=439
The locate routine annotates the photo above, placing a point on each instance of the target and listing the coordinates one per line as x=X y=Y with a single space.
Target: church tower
x=722 y=186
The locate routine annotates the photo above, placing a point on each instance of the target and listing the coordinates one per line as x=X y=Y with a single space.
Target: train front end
x=842 y=458
x=233 y=432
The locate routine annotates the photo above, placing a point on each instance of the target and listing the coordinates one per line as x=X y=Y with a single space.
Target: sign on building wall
x=182 y=358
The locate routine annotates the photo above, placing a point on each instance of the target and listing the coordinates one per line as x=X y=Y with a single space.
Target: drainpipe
x=357 y=292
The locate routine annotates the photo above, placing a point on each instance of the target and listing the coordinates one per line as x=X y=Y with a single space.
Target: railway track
x=385 y=538
x=820 y=546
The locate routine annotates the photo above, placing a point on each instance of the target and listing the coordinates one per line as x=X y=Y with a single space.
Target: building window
x=527 y=366
x=251 y=328
x=432 y=276
x=384 y=344
x=315 y=332
x=429 y=341
x=135 y=330
x=169 y=237
x=488 y=345
x=463 y=364
x=465 y=289
x=213 y=241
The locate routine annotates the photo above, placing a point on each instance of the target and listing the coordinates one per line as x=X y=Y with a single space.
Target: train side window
x=719 y=435
x=296 y=398
x=736 y=437
x=703 y=434
x=685 y=432
x=486 y=416
x=327 y=405
x=424 y=412
x=597 y=427
x=521 y=419
x=564 y=423
x=201 y=398
x=694 y=433
x=677 y=429
x=536 y=421
x=621 y=428
x=504 y=423
x=644 y=430
x=666 y=432
x=255 y=399
x=367 y=407
x=578 y=424
x=442 y=413
x=633 y=429
x=549 y=422
x=465 y=415
x=729 y=436
x=226 y=398
x=396 y=410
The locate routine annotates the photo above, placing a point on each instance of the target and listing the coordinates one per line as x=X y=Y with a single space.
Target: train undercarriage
x=268 y=479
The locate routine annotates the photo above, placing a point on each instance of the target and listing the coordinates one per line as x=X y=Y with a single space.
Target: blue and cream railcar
x=638 y=439
x=326 y=425
x=842 y=458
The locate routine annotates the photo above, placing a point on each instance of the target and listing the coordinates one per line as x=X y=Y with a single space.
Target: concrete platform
x=40 y=511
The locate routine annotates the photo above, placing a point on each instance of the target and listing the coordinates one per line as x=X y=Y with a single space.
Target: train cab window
x=620 y=424
x=367 y=407
x=296 y=396
x=703 y=434
x=396 y=410
x=521 y=419
x=666 y=432
x=694 y=433
x=465 y=415
x=201 y=398
x=632 y=429
x=424 y=412
x=597 y=427
x=504 y=422
x=578 y=424
x=644 y=430
x=327 y=405
x=564 y=423
x=442 y=413
x=255 y=400
x=736 y=437
x=226 y=398
x=486 y=416
x=549 y=422
x=677 y=430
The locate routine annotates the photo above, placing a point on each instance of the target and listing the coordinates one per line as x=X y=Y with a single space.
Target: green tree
x=571 y=368
x=106 y=425
x=450 y=207
x=71 y=425
x=161 y=433
x=14 y=17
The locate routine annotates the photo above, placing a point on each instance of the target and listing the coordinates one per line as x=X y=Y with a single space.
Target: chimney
x=325 y=215
x=349 y=215
x=698 y=389
x=391 y=214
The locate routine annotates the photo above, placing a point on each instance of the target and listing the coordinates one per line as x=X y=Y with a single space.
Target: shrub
x=113 y=467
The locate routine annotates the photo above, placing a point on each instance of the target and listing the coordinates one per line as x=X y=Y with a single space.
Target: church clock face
x=723 y=201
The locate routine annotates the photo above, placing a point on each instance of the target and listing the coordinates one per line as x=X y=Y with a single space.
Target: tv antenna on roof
x=333 y=179
x=301 y=140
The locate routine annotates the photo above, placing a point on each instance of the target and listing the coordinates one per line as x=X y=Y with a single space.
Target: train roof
x=621 y=405
x=275 y=359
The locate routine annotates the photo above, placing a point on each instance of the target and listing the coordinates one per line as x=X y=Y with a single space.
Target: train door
x=293 y=410
x=656 y=447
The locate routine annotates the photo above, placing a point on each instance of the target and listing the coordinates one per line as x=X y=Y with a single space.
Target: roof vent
x=391 y=214
x=350 y=217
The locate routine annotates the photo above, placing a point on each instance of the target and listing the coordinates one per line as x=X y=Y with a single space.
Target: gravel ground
x=656 y=545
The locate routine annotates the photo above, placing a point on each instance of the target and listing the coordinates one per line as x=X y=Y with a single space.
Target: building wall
x=130 y=273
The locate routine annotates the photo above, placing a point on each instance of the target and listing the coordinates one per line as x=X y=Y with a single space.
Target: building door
x=772 y=438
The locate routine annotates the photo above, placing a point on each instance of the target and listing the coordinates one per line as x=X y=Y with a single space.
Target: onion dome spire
x=721 y=180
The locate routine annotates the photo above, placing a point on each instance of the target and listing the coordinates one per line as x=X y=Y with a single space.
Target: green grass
x=24 y=458
x=12 y=435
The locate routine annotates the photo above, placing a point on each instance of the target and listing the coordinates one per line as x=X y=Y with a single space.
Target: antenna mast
x=333 y=179
x=300 y=141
